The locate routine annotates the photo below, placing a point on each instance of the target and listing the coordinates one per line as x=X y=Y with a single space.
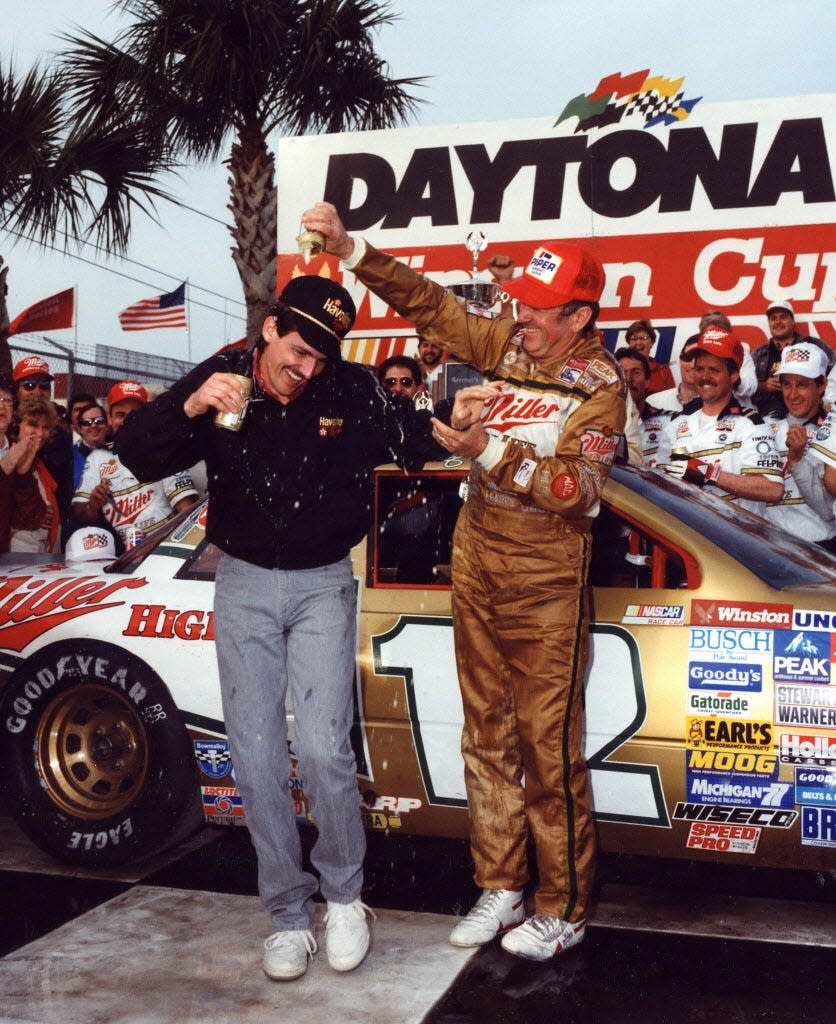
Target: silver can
x=233 y=420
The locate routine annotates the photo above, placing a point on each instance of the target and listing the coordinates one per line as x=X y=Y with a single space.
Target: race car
x=710 y=698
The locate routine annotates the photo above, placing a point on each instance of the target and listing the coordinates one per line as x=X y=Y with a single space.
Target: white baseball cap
x=782 y=304
x=804 y=359
x=90 y=544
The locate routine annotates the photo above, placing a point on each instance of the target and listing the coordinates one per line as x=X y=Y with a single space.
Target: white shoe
x=495 y=911
x=346 y=934
x=286 y=954
x=542 y=936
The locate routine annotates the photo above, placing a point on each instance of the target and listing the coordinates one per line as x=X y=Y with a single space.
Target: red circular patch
x=564 y=486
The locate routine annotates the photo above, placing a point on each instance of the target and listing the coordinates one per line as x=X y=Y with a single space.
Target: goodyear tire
x=97 y=767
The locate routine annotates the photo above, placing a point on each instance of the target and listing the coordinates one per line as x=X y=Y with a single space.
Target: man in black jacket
x=290 y=494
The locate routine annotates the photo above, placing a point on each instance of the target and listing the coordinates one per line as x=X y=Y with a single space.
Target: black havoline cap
x=324 y=312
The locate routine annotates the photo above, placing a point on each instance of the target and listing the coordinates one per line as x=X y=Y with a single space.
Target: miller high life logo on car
x=32 y=605
x=155 y=620
x=740 y=613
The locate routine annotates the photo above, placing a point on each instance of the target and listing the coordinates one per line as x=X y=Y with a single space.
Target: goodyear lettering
x=795 y=160
x=155 y=620
x=99 y=840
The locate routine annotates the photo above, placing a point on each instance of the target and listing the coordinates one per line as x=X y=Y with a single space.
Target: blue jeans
x=276 y=628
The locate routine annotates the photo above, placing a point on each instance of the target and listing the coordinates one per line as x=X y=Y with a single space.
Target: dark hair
x=91 y=405
x=80 y=396
x=407 y=361
x=641 y=325
x=285 y=321
x=573 y=305
x=628 y=352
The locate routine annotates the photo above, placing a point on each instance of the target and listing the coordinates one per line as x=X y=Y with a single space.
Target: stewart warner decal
x=32 y=605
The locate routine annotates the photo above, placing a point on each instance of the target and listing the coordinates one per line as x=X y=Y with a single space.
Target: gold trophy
x=311 y=243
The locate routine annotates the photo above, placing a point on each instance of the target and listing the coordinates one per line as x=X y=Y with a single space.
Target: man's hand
x=796 y=443
x=221 y=391
x=99 y=497
x=469 y=403
x=693 y=471
x=323 y=217
x=502 y=267
x=21 y=454
x=470 y=442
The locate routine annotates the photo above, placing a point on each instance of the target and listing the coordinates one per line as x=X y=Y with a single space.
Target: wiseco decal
x=740 y=613
x=32 y=605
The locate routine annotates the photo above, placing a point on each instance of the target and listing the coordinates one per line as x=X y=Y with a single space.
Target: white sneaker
x=286 y=954
x=346 y=934
x=495 y=911
x=542 y=936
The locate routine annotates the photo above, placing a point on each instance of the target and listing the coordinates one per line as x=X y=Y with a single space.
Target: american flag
x=161 y=311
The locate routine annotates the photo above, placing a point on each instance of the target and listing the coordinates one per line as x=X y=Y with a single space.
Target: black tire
x=98 y=769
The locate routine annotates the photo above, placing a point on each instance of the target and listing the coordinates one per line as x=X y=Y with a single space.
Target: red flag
x=162 y=311
x=50 y=314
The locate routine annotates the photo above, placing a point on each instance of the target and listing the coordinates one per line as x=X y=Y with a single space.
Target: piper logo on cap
x=544 y=265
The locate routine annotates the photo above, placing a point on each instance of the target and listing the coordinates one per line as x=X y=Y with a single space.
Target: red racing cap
x=31 y=366
x=723 y=344
x=126 y=389
x=558 y=272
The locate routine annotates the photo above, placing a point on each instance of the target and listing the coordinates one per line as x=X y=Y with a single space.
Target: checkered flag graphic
x=651 y=104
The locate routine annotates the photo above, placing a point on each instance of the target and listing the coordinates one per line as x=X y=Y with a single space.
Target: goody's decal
x=213 y=757
x=706 y=643
x=801 y=657
x=815 y=786
x=708 y=675
x=818 y=826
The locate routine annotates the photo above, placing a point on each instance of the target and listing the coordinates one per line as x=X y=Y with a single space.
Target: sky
x=482 y=60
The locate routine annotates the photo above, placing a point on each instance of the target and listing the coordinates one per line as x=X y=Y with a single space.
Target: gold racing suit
x=520 y=603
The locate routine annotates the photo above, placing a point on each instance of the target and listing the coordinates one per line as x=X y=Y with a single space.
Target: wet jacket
x=293 y=488
x=554 y=431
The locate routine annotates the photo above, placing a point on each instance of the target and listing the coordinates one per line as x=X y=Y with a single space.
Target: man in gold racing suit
x=542 y=433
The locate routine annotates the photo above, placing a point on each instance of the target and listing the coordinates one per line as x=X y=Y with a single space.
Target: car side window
x=412 y=535
x=628 y=554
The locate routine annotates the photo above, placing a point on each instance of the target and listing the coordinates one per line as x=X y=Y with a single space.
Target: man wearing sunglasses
x=401 y=375
x=91 y=424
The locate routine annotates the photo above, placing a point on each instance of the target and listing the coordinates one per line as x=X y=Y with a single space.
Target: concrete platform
x=157 y=955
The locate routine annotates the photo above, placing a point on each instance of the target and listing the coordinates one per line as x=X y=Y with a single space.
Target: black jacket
x=291 y=489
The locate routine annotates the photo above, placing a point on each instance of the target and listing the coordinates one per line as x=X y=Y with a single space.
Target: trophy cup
x=478 y=291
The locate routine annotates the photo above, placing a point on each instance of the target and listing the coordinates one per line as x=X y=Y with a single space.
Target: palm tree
x=68 y=179
x=203 y=75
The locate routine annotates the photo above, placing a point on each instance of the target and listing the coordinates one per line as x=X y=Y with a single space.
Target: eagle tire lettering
x=98 y=768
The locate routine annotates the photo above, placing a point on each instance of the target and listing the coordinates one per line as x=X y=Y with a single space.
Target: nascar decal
x=740 y=613
x=32 y=605
x=813 y=706
x=654 y=614
x=801 y=657
x=815 y=786
x=723 y=838
x=723 y=733
x=806 y=748
x=155 y=620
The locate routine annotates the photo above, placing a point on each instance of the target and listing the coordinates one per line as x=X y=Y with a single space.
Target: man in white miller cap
x=806 y=508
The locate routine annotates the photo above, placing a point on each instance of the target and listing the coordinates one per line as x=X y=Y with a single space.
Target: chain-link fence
x=95 y=369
